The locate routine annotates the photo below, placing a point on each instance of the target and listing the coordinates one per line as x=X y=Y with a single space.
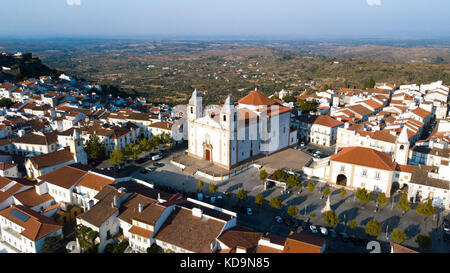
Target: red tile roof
x=365 y=157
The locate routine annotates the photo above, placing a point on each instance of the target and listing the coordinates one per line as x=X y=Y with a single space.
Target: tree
x=381 y=199
x=276 y=202
x=213 y=187
x=424 y=240
x=94 y=147
x=398 y=235
x=242 y=195
x=425 y=207
x=352 y=224
x=199 y=185
x=294 y=181
x=363 y=195
x=311 y=186
x=343 y=193
x=260 y=200
x=288 y=98
x=51 y=244
x=116 y=157
x=145 y=144
x=403 y=203
x=86 y=238
x=120 y=247
x=154 y=248
x=307 y=106
x=280 y=175
x=326 y=191
x=330 y=218
x=263 y=174
x=370 y=83
x=5 y=102
x=292 y=211
x=373 y=228
x=312 y=214
x=132 y=151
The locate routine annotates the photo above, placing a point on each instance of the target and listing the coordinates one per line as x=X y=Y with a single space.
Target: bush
x=373 y=228
x=398 y=235
x=276 y=202
x=263 y=175
x=424 y=240
x=292 y=211
x=330 y=218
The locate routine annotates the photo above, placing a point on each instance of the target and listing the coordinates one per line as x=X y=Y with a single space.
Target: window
x=377 y=175
x=342 y=168
x=192 y=110
x=364 y=173
x=224 y=118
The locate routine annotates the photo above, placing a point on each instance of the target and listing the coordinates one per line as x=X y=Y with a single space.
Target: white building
x=235 y=133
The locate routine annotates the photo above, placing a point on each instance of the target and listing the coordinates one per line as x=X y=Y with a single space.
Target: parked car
x=140 y=160
x=324 y=231
x=288 y=222
x=446 y=225
x=333 y=233
x=249 y=212
x=143 y=171
x=149 y=169
x=313 y=228
x=302 y=144
x=156 y=157
x=158 y=164
x=344 y=236
x=279 y=219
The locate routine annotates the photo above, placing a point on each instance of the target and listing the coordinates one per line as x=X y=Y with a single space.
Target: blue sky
x=246 y=18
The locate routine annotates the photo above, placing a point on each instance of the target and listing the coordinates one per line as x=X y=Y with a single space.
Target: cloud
x=73 y=2
x=373 y=2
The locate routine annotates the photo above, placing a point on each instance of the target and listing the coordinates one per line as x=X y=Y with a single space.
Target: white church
x=234 y=133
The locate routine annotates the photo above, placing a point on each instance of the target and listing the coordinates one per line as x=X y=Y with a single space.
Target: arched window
x=402 y=147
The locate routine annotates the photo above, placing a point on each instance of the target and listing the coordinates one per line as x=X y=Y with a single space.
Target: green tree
x=94 y=148
x=263 y=174
x=288 y=98
x=51 y=244
x=424 y=240
x=425 y=207
x=260 y=200
x=326 y=191
x=381 y=199
x=120 y=247
x=213 y=187
x=311 y=186
x=116 y=157
x=132 y=151
x=5 y=102
x=330 y=218
x=352 y=224
x=294 y=181
x=343 y=193
x=307 y=106
x=403 y=203
x=398 y=235
x=363 y=195
x=86 y=238
x=373 y=228
x=280 y=175
x=292 y=211
x=145 y=144
x=154 y=248
x=370 y=83
x=276 y=202
x=200 y=185
x=242 y=195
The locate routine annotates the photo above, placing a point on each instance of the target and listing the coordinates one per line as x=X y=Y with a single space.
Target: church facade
x=236 y=132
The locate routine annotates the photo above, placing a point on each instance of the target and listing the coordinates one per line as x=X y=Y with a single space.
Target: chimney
x=140 y=207
x=116 y=201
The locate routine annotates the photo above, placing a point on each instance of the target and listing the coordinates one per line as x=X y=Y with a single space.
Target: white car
x=313 y=228
x=156 y=157
x=324 y=230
